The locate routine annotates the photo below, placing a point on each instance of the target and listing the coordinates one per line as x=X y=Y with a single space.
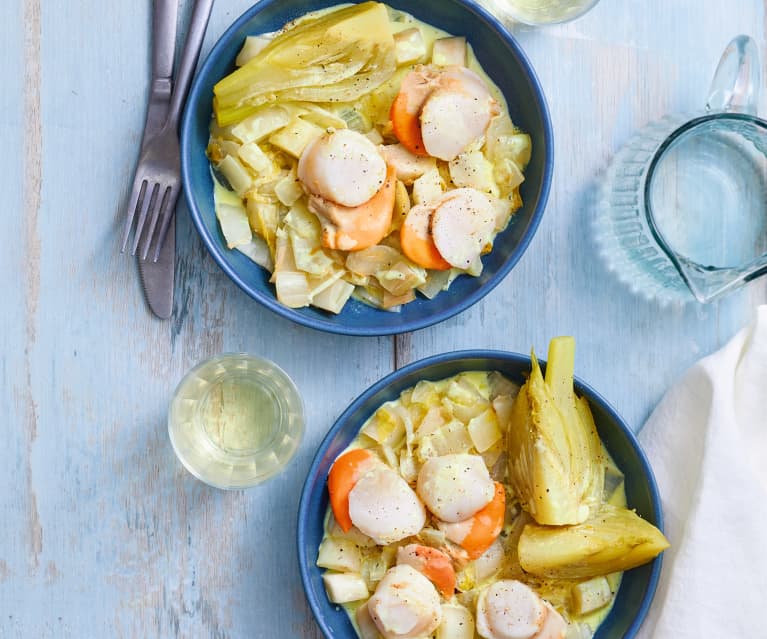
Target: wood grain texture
x=16 y=498
x=103 y=533
x=32 y=184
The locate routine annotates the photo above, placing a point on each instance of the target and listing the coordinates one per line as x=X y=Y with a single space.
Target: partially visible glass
x=235 y=420
x=540 y=12
x=683 y=207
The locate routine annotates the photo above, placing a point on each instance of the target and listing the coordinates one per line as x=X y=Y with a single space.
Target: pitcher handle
x=735 y=86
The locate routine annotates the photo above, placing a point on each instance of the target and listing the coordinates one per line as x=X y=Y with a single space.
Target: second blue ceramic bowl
x=638 y=585
x=503 y=60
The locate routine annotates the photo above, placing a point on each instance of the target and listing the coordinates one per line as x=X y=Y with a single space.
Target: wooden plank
x=19 y=181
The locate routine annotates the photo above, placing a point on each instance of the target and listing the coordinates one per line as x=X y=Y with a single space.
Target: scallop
x=384 y=507
x=462 y=226
x=456 y=114
x=405 y=604
x=509 y=609
x=554 y=626
x=455 y=487
x=342 y=166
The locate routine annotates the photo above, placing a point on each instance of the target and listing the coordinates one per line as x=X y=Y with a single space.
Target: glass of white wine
x=540 y=12
x=235 y=420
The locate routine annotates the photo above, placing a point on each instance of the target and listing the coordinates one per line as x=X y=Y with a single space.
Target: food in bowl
x=470 y=505
x=361 y=152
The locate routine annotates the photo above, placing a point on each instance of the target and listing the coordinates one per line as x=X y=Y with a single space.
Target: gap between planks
x=32 y=188
x=402 y=350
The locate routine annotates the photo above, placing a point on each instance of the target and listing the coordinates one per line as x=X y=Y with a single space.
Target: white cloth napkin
x=707 y=443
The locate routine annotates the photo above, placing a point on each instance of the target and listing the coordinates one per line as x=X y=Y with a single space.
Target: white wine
x=235 y=420
x=239 y=414
x=538 y=12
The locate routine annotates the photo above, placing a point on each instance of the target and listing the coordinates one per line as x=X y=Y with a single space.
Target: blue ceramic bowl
x=638 y=586
x=503 y=60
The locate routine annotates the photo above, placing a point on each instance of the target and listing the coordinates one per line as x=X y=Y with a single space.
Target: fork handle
x=189 y=57
x=164 y=17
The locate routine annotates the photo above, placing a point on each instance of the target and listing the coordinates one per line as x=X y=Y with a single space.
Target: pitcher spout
x=735 y=85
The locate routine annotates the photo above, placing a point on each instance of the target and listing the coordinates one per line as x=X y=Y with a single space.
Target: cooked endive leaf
x=555 y=461
x=614 y=539
x=334 y=296
x=373 y=259
x=258 y=251
x=232 y=216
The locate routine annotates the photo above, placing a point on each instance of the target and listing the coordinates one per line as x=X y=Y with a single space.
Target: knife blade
x=158 y=278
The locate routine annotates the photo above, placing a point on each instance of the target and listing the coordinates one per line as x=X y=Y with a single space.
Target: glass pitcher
x=682 y=212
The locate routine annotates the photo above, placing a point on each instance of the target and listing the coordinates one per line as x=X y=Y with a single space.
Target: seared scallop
x=456 y=114
x=405 y=604
x=455 y=487
x=462 y=226
x=439 y=112
x=509 y=609
x=343 y=167
x=384 y=507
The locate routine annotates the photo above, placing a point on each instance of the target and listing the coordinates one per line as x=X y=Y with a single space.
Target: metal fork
x=157 y=183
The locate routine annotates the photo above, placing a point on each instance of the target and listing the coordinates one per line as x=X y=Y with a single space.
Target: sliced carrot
x=344 y=473
x=407 y=125
x=405 y=111
x=486 y=524
x=416 y=240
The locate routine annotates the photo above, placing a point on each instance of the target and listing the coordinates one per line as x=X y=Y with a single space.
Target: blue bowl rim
x=270 y=301
x=453 y=357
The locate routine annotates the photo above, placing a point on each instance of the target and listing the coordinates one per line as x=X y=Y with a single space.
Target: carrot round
x=416 y=240
x=344 y=473
x=405 y=111
x=406 y=124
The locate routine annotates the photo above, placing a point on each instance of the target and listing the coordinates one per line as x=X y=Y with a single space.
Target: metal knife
x=158 y=278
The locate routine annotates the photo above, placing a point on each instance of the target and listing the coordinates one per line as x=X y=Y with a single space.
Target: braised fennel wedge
x=337 y=57
x=614 y=539
x=558 y=469
x=555 y=456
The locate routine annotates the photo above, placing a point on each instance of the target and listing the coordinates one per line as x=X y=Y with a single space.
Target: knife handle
x=164 y=17
x=189 y=57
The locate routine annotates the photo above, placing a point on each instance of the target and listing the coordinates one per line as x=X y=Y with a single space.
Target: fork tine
x=136 y=200
x=149 y=206
x=149 y=236
x=169 y=204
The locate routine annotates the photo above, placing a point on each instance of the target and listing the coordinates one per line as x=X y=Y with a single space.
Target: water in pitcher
x=708 y=194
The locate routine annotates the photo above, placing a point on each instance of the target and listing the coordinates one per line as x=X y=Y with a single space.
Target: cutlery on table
x=157 y=278
x=157 y=182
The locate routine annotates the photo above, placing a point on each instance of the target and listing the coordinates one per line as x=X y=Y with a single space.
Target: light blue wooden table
x=102 y=532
